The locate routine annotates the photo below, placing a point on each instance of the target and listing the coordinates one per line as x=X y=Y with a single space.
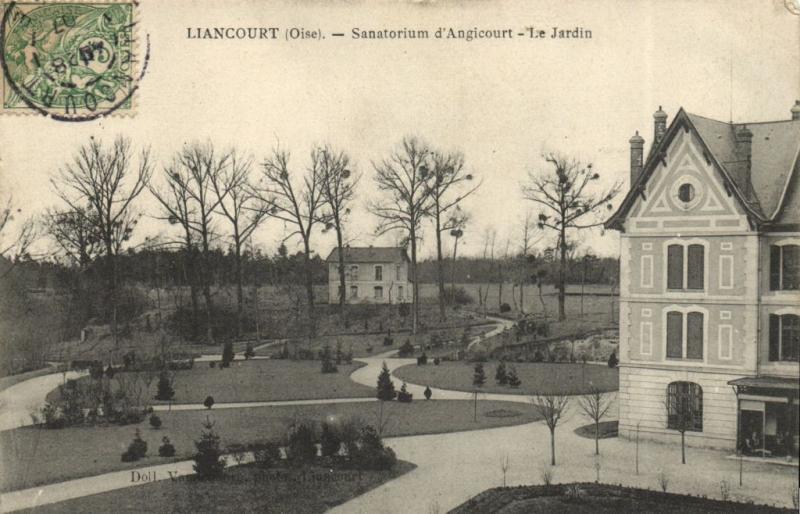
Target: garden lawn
x=32 y=456
x=605 y=430
x=360 y=344
x=536 y=377
x=260 y=380
x=598 y=498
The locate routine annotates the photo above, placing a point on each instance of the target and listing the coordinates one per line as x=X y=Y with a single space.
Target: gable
x=685 y=164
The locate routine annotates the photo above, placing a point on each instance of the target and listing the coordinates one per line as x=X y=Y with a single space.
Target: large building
x=710 y=277
x=372 y=275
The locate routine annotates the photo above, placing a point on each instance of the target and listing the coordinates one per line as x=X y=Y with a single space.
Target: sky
x=502 y=103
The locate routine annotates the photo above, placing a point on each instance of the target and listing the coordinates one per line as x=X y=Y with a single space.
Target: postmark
x=70 y=61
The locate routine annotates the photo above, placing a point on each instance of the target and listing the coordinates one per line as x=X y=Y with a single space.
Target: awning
x=767 y=382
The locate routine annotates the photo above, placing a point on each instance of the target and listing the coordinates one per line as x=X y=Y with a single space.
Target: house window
x=397 y=272
x=353 y=272
x=685 y=335
x=685 y=266
x=686 y=193
x=400 y=292
x=378 y=292
x=685 y=406
x=784 y=337
x=784 y=267
x=378 y=272
x=353 y=291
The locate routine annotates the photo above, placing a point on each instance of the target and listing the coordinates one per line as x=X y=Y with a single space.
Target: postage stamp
x=70 y=61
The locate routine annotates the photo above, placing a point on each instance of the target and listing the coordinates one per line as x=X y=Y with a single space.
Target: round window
x=686 y=193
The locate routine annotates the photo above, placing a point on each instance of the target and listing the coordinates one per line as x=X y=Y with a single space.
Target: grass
x=536 y=377
x=585 y=498
x=244 y=488
x=359 y=343
x=32 y=456
x=260 y=380
x=607 y=429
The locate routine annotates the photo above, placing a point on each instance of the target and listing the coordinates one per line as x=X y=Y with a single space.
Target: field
x=598 y=498
x=536 y=377
x=32 y=456
x=244 y=488
x=260 y=380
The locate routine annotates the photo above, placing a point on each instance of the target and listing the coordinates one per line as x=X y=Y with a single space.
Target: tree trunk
x=207 y=290
x=239 y=287
x=562 y=315
x=552 y=447
x=342 y=282
x=440 y=269
x=522 y=291
x=111 y=270
x=415 y=292
x=597 y=437
x=683 y=447
x=453 y=273
x=309 y=286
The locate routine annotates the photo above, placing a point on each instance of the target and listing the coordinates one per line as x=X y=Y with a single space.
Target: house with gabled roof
x=372 y=275
x=710 y=284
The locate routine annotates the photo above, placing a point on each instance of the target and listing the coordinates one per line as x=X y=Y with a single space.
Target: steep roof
x=770 y=196
x=369 y=254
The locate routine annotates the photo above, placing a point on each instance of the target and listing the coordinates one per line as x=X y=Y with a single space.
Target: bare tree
x=75 y=234
x=338 y=184
x=191 y=201
x=524 y=257
x=245 y=211
x=683 y=411
x=568 y=204
x=446 y=193
x=456 y=233
x=300 y=207
x=403 y=179
x=105 y=180
x=551 y=407
x=595 y=406
x=489 y=240
x=15 y=244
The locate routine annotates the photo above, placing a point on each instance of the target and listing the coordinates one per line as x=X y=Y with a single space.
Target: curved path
x=455 y=466
x=19 y=401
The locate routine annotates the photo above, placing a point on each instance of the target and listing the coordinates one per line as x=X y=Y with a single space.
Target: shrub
x=388 y=340
x=266 y=455
x=165 y=390
x=428 y=393
x=500 y=375
x=538 y=356
x=478 y=376
x=385 y=385
x=227 y=354
x=404 y=396
x=208 y=461
x=328 y=366
x=406 y=350
x=436 y=361
x=513 y=378
x=329 y=441
x=209 y=402
x=301 y=449
x=136 y=450
x=249 y=352
x=422 y=360
x=612 y=360
x=459 y=296
x=166 y=449
x=504 y=307
x=155 y=421
x=725 y=490
x=371 y=453
x=52 y=417
x=547 y=475
x=663 y=481
x=212 y=364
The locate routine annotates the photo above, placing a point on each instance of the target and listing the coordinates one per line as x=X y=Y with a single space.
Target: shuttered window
x=674 y=335
x=675 y=267
x=694 y=335
x=774 y=268
x=685 y=406
x=784 y=267
x=774 y=337
x=784 y=337
x=695 y=271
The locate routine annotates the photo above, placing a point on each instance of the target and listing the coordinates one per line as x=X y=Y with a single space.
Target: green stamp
x=70 y=61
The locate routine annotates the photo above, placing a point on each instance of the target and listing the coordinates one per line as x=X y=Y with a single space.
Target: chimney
x=637 y=156
x=796 y=110
x=744 y=149
x=660 y=124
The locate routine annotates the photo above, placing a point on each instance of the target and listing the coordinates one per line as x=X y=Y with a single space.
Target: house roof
x=369 y=254
x=771 y=196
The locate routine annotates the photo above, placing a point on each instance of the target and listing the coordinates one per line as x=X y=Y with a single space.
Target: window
x=685 y=335
x=353 y=291
x=685 y=406
x=784 y=337
x=686 y=266
x=400 y=292
x=378 y=272
x=784 y=267
x=353 y=272
x=378 y=292
x=397 y=272
x=686 y=193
